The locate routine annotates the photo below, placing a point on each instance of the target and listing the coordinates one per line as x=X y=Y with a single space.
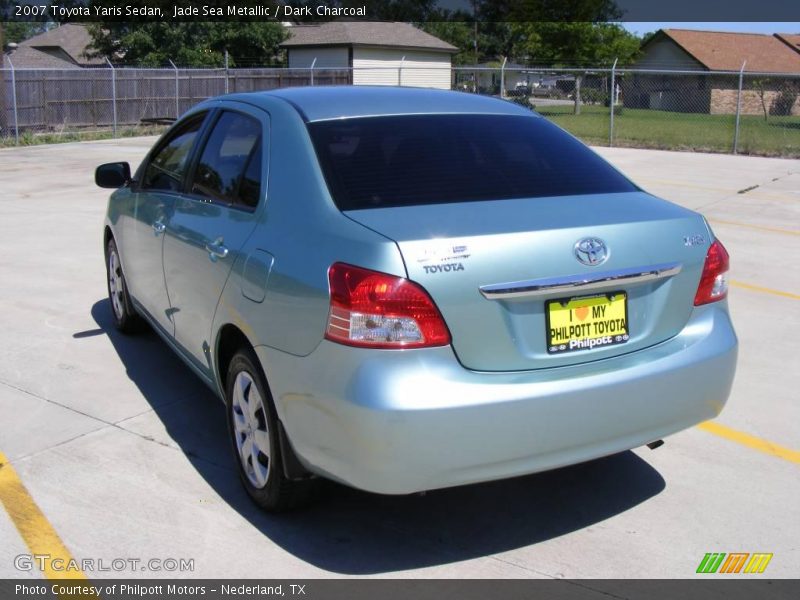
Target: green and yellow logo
x=736 y=562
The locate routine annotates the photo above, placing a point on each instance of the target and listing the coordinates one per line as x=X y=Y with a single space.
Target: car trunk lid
x=494 y=268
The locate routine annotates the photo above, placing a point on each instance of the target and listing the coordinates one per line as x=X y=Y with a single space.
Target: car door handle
x=216 y=250
x=159 y=228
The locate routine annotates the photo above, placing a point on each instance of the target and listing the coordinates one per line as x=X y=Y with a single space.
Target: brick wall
x=723 y=101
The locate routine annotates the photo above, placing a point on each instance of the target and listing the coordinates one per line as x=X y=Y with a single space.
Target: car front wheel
x=125 y=317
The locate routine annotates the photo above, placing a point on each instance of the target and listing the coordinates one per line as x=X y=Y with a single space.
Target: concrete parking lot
x=123 y=453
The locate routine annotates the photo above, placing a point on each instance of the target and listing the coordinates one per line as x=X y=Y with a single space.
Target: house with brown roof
x=63 y=47
x=765 y=59
x=376 y=53
x=24 y=57
x=69 y=41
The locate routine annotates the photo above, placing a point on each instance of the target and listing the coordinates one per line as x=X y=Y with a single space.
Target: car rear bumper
x=399 y=422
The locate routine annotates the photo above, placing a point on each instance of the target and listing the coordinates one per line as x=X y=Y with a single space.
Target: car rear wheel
x=253 y=427
x=125 y=318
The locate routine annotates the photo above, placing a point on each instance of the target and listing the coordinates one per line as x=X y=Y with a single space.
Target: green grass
x=29 y=138
x=639 y=128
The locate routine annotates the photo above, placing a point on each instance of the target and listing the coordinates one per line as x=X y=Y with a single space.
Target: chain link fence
x=739 y=112
x=49 y=105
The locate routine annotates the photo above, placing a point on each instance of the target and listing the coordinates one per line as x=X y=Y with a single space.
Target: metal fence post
x=503 y=77
x=113 y=95
x=400 y=72
x=14 y=100
x=177 y=95
x=226 y=71
x=313 y=62
x=611 y=102
x=738 y=110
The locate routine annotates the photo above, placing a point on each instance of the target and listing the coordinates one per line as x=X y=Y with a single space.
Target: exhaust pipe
x=656 y=444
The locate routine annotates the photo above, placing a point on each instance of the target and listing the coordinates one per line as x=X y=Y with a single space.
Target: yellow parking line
x=757 y=192
x=759 y=227
x=693 y=186
x=745 y=439
x=33 y=526
x=765 y=290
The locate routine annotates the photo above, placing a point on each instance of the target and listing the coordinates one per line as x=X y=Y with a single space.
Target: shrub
x=784 y=102
x=522 y=101
x=594 y=96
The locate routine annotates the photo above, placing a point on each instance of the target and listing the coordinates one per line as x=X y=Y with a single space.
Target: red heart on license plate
x=582 y=312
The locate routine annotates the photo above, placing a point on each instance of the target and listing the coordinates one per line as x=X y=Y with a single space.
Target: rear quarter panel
x=301 y=233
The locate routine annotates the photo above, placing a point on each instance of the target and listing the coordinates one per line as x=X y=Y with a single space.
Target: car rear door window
x=229 y=168
x=167 y=166
x=410 y=160
x=250 y=187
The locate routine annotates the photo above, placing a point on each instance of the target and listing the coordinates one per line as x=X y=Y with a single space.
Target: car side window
x=167 y=167
x=250 y=188
x=229 y=169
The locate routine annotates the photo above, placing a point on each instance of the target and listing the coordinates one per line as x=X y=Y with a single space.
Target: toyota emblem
x=591 y=251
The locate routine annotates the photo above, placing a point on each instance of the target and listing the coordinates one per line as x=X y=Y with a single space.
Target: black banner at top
x=307 y=11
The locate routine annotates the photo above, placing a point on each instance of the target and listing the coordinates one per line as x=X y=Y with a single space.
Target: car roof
x=341 y=102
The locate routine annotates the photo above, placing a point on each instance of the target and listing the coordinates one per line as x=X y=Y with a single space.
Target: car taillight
x=714 y=280
x=376 y=310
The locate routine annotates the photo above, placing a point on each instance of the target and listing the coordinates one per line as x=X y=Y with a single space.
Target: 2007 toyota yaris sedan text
x=405 y=289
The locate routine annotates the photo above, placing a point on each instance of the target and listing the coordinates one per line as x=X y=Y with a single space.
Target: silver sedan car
x=404 y=289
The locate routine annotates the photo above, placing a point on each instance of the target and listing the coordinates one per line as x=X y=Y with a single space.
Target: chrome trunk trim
x=585 y=282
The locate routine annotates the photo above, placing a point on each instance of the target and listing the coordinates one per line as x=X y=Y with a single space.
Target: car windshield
x=377 y=162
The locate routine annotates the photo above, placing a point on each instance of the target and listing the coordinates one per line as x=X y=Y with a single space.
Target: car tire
x=253 y=430
x=124 y=315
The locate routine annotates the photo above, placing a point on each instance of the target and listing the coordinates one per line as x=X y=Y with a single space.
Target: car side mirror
x=112 y=175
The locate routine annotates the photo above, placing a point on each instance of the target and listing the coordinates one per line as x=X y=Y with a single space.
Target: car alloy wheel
x=125 y=317
x=254 y=430
x=251 y=429
x=116 y=289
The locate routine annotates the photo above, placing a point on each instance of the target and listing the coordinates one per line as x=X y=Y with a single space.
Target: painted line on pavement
x=764 y=290
x=33 y=526
x=757 y=192
x=757 y=227
x=751 y=441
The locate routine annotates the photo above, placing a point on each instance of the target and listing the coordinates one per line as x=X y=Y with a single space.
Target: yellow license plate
x=588 y=322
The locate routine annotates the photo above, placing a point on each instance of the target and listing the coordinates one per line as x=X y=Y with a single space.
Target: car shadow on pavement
x=353 y=532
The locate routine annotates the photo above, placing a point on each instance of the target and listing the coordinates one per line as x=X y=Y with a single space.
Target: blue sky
x=750 y=27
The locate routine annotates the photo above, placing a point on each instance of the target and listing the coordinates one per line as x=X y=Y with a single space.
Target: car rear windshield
x=377 y=162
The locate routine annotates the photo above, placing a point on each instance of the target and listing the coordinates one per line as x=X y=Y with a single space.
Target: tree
x=486 y=30
x=18 y=31
x=648 y=36
x=761 y=86
x=457 y=33
x=189 y=44
x=573 y=45
x=500 y=20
